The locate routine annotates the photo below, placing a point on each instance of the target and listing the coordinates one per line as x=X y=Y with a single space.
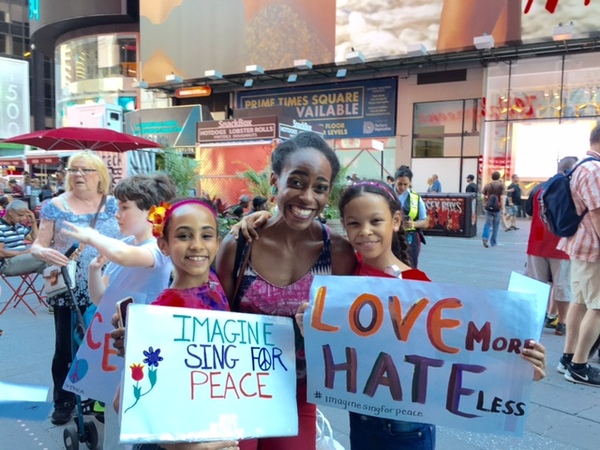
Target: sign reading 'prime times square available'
x=344 y=110
x=14 y=97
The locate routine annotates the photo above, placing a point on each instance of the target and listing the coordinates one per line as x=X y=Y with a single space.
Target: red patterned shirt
x=584 y=245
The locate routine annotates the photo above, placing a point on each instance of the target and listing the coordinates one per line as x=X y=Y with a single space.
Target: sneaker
x=551 y=322
x=62 y=413
x=485 y=243
x=563 y=364
x=561 y=329
x=589 y=375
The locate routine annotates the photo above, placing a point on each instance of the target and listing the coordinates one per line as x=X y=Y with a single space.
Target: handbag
x=325 y=440
x=54 y=283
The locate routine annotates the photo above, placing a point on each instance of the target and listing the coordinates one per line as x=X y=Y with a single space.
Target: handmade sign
x=194 y=375
x=423 y=352
x=96 y=369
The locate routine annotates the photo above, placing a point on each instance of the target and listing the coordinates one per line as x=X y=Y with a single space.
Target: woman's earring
x=274 y=190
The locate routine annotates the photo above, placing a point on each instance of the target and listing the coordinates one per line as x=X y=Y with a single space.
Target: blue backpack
x=557 y=208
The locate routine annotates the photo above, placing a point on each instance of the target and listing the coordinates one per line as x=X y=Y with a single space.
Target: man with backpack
x=494 y=196
x=583 y=247
x=544 y=262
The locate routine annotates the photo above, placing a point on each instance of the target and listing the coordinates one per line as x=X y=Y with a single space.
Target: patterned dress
x=106 y=225
x=208 y=296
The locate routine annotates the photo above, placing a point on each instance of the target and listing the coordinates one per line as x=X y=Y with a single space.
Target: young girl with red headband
x=187 y=232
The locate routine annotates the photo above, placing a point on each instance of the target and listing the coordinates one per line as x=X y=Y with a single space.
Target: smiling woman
x=85 y=201
x=292 y=248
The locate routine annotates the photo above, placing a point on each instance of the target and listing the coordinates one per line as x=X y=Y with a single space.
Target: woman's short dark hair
x=302 y=141
x=403 y=171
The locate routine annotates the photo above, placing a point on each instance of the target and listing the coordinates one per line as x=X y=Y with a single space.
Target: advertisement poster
x=194 y=375
x=447 y=215
x=424 y=352
x=344 y=110
x=96 y=369
x=251 y=31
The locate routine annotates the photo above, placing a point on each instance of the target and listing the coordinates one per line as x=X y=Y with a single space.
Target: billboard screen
x=273 y=33
x=14 y=97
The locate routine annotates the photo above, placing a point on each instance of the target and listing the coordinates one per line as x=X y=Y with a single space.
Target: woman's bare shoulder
x=343 y=256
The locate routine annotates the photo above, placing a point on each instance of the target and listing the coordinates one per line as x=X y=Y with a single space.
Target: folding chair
x=25 y=286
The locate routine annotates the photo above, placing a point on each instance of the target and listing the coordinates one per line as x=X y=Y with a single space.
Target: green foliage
x=339 y=184
x=259 y=183
x=225 y=224
x=181 y=169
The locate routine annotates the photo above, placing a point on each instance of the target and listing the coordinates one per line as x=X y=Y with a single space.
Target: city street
x=564 y=416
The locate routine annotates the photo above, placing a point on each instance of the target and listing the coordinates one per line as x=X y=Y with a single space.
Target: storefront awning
x=11 y=161
x=50 y=159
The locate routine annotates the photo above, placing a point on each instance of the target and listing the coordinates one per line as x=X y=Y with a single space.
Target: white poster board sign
x=196 y=375
x=96 y=369
x=423 y=352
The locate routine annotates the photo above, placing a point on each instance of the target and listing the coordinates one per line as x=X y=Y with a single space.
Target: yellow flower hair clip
x=157 y=217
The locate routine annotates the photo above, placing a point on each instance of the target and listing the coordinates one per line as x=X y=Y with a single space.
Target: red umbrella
x=74 y=138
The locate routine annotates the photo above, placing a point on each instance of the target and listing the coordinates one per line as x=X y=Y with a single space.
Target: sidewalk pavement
x=564 y=415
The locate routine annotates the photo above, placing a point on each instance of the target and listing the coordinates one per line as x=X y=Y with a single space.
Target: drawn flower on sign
x=152 y=358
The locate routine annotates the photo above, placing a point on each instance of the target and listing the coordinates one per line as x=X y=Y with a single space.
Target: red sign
x=43 y=160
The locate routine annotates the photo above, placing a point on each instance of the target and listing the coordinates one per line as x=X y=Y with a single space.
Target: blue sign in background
x=356 y=109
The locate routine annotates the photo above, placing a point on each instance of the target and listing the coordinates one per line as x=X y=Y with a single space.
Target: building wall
x=409 y=93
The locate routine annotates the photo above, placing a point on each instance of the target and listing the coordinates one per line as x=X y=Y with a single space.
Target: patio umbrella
x=75 y=138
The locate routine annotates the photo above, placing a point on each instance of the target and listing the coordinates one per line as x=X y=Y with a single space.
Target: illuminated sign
x=196 y=91
x=34 y=9
x=14 y=97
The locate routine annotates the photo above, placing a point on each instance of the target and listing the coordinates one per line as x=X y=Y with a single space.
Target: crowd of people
x=141 y=237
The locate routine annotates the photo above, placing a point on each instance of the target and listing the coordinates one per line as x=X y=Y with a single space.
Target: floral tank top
x=259 y=296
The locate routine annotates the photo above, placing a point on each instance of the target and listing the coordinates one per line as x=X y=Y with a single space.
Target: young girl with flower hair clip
x=187 y=232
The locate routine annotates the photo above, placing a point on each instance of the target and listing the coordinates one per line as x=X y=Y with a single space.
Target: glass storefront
x=95 y=70
x=446 y=141
x=537 y=112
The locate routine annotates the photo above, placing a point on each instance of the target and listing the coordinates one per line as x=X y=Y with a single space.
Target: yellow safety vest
x=413 y=211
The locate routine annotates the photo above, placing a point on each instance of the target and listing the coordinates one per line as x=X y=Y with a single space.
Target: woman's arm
x=114 y=250
x=41 y=247
x=343 y=257
x=225 y=265
x=249 y=224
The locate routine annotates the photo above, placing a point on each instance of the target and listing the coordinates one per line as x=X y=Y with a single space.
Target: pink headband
x=190 y=201
x=378 y=185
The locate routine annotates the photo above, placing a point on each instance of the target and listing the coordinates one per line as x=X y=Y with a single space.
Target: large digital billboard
x=14 y=97
x=187 y=37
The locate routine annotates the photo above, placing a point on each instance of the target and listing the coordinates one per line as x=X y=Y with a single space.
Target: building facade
x=442 y=85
